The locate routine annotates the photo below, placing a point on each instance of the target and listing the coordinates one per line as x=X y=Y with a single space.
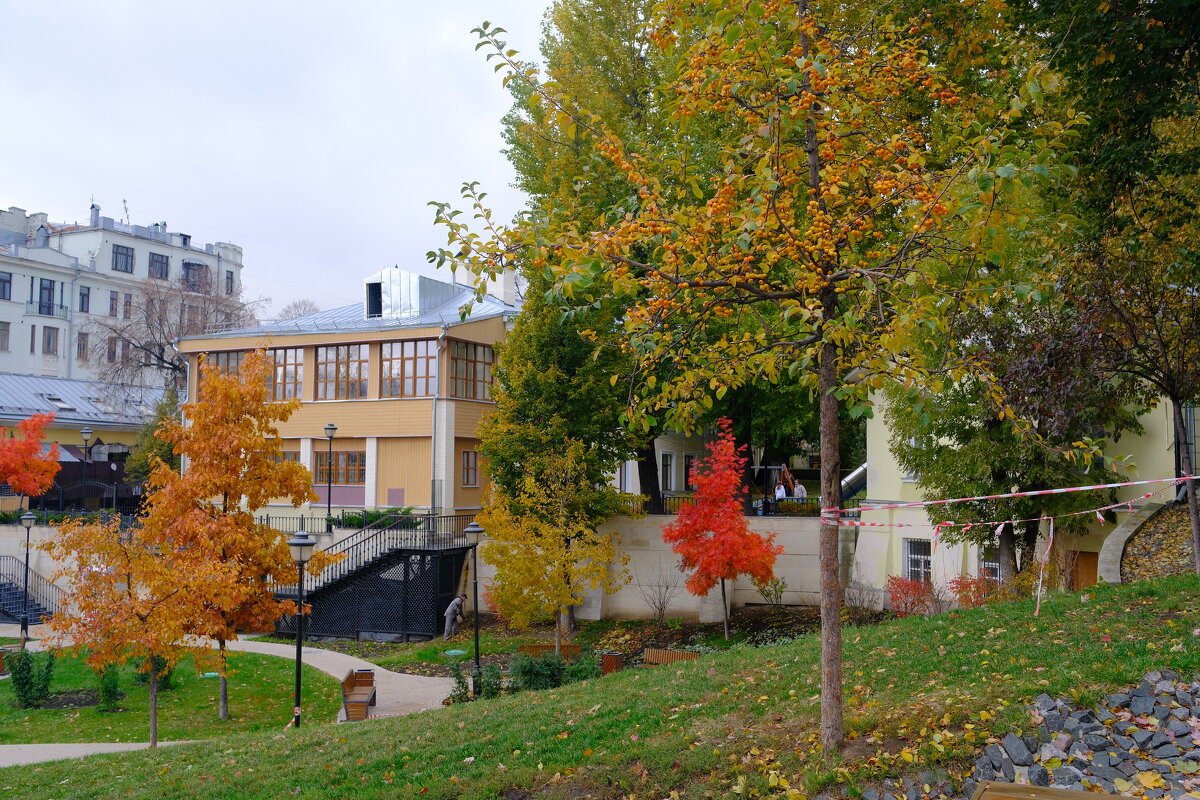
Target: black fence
x=43 y=596
x=789 y=507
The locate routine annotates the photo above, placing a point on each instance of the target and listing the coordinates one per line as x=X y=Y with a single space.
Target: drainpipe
x=433 y=438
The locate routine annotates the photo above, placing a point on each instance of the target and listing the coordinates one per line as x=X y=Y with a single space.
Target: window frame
x=195 y=276
x=469 y=463
x=5 y=336
x=472 y=370
x=81 y=346
x=229 y=284
x=347 y=464
x=345 y=376
x=49 y=340
x=127 y=306
x=666 y=474
x=918 y=566
x=159 y=266
x=689 y=463
x=85 y=299
x=122 y=258
x=286 y=375
x=114 y=303
x=6 y=281
x=401 y=375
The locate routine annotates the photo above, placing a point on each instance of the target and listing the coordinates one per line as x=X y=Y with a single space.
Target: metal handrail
x=385 y=536
x=41 y=591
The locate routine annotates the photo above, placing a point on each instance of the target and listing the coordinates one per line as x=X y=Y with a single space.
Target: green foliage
x=161 y=667
x=533 y=673
x=369 y=517
x=491 y=681
x=149 y=449
x=461 y=692
x=30 y=681
x=110 y=687
x=584 y=668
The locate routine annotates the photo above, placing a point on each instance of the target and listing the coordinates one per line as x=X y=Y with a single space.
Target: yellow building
x=403 y=377
x=900 y=541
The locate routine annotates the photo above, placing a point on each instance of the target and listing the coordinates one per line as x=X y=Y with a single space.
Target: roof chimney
x=95 y=220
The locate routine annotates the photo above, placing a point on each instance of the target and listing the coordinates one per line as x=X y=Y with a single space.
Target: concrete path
x=396 y=693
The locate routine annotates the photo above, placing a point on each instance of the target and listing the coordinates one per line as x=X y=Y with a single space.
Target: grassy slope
x=919 y=692
x=260 y=699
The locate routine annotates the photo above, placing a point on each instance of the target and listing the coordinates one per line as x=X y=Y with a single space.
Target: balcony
x=46 y=309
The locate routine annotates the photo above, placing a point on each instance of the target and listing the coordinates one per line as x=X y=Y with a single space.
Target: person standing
x=454 y=614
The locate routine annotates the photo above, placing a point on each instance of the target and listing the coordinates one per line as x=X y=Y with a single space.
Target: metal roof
x=76 y=403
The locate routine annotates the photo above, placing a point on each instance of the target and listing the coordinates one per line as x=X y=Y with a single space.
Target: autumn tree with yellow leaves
x=865 y=189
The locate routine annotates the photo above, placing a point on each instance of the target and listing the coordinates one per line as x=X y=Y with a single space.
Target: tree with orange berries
x=23 y=465
x=711 y=534
x=866 y=191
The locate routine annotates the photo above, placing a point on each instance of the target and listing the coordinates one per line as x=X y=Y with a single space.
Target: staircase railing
x=384 y=536
x=42 y=593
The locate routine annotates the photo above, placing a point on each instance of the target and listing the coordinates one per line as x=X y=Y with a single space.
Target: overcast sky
x=311 y=134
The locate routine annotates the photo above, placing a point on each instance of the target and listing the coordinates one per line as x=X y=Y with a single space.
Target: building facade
x=83 y=301
x=403 y=377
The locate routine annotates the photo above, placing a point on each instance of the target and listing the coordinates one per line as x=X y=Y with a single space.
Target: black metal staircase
x=43 y=595
x=396 y=579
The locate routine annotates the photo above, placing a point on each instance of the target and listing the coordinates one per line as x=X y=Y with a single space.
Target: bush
x=973 y=592
x=461 y=693
x=491 y=682
x=30 y=684
x=110 y=688
x=771 y=591
x=367 y=518
x=533 y=674
x=908 y=597
x=586 y=667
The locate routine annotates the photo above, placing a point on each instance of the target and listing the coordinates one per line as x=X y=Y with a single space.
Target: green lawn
x=260 y=699
x=404 y=656
x=920 y=693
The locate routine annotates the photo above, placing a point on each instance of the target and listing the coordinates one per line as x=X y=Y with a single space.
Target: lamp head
x=86 y=433
x=302 y=546
x=27 y=519
x=330 y=430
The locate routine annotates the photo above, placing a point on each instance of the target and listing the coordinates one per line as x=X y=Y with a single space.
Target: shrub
x=771 y=591
x=110 y=688
x=491 y=681
x=586 y=667
x=908 y=597
x=30 y=684
x=363 y=519
x=973 y=592
x=166 y=676
x=461 y=693
x=543 y=672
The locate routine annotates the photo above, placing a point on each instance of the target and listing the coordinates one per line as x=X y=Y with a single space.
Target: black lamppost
x=86 y=433
x=330 y=430
x=27 y=521
x=475 y=531
x=301 y=546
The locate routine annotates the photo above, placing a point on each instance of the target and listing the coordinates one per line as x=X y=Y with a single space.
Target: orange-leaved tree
x=23 y=465
x=711 y=534
x=234 y=466
x=130 y=597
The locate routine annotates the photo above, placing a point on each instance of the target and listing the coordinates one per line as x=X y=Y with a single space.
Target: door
x=1086 y=569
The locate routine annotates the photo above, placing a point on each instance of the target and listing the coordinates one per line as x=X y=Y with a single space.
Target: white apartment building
x=67 y=290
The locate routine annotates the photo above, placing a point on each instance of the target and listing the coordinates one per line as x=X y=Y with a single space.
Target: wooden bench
x=358 y=692
x=570 y=652
x=657 y=656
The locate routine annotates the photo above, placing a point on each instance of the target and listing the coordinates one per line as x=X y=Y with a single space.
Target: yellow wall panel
x=404 y=464
x=361 y=418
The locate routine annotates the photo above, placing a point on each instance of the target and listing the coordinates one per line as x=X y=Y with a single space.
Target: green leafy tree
x=150 y=448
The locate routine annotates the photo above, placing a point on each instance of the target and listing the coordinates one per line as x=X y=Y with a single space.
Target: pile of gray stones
x=1143 y=742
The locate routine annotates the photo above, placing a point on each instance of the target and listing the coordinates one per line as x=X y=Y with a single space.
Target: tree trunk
x=832 y=722
x=1182 y=447
x=558 y=626
x=725 y=609
x=1029 y=543
x=153 y=704
x=1006 y=553
x=223 y=690
x=648 y=478
x=572 y=625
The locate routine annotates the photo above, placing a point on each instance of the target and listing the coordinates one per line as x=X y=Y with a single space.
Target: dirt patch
x=76 y=698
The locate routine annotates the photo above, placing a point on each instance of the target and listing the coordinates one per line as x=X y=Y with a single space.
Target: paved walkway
x=396 y=693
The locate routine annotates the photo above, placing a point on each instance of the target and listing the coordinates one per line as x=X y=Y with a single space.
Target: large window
x=667 y=472
x=160 y=266
x=228 y=281
x=918 y=560
x=114 y=303
x=122 y=258
x=195 y=276
x=409 y=369
x=127 y=306
x=471 y=370
x=49 y=341
x=85 y=299
x=349 y=468
x=342 y=372
x=470 y=468
x=5 y=286
x=689 y=463
x=227 y=361
x=287 y=372
x=81 y=347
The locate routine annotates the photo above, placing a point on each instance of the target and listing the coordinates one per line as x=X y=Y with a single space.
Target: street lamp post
x=86 y=433
x=475 y=531
x=27 y=521
x=330 y=430
x=301 y=546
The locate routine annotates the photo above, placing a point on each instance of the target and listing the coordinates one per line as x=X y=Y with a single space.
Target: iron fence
x=43 y=595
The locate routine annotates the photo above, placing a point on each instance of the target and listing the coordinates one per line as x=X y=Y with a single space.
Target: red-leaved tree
x=23 y=465
x=711 y=534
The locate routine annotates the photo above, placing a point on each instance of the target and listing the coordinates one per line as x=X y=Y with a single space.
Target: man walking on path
x=454 y=613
